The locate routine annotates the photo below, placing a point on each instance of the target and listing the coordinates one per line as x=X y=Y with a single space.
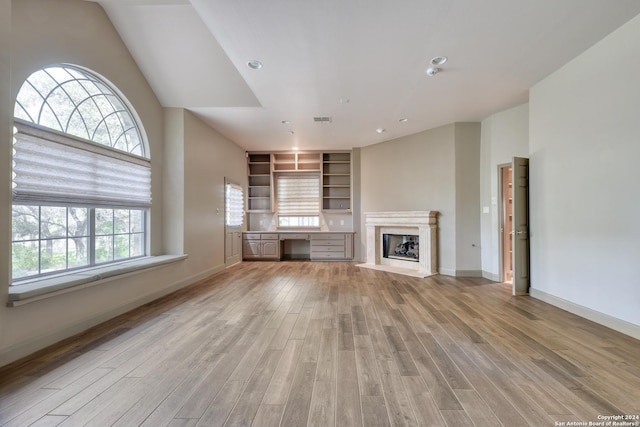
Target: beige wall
x=427 y=171
x=173 y=181
x=6 y=117
x=467 y=164
x=584 y=180
x=209 y=158
x=183 y=216
x=504 y=135
x=80 y=33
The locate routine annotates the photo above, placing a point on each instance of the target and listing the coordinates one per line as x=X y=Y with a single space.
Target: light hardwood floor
x=330 y=344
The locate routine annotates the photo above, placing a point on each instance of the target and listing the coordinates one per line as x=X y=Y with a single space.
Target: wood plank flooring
x=330 y=344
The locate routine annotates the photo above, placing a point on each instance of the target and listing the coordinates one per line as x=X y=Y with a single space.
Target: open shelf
x=334 y=169
x=336 y=182
x=296 y=162
x=259 y=172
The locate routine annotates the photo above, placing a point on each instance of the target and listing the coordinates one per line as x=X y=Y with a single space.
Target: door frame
x=501 y=218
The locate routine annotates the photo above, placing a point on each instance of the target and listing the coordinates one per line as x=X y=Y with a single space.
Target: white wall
x=504 y=135
x=426 y=171
x=79 y=32
x=585 y=180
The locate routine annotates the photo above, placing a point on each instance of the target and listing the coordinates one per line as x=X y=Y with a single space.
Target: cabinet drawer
x=294 y=236
x=328 y=236
x=328 y=242
x=269 y=236
x=251 y=236
x=327 y=255
x=319 y=249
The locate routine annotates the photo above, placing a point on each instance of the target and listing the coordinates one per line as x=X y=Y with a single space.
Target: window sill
x=48 y=287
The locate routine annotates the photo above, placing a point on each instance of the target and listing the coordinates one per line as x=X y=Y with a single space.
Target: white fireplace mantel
x=421 y=223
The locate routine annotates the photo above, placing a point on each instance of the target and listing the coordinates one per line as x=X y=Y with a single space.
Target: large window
x=81 y=175
x=298 y=199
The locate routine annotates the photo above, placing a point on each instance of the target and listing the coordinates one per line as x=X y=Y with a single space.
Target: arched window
x=81 y=175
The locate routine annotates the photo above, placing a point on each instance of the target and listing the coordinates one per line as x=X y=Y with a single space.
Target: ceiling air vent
x=322 y=119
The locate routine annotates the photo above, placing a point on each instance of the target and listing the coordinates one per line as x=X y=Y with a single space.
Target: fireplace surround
x=421 y=224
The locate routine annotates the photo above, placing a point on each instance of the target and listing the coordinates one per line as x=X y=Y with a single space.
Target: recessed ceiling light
x=295 y=148
x=403 y=120
x=438 y=60
x=286 y=122
x=432 y=71
x=254 y=65
x=380 y=130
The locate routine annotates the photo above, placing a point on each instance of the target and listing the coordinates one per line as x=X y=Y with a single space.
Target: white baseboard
x=23 y=349
x=593 y=315
x=468 y=273
x=491 y=276
x=446 y=271
x=459 y=273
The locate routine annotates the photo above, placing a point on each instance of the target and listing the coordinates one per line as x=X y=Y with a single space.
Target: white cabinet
x=322 y=246
x=251 y=249
x=270 y=248
x=330 y=246
x=260 y=246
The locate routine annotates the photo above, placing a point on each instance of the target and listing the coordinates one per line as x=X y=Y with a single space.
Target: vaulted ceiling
x=360 y=62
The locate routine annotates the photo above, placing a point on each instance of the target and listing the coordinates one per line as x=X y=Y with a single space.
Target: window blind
x=298 y=194
x=50 y=168
x=234 y=201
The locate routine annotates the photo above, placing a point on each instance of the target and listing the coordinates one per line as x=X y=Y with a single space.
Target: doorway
x=506 y=221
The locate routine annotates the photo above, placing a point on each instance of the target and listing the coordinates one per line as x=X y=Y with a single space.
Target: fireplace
x=402 y=242
x=401 y=246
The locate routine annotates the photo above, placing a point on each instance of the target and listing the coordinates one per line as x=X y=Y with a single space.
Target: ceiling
x=360 y=62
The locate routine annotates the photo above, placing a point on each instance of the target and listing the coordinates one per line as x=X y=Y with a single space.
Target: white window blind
x=234 y=201
x=298 y=195
x=53 y=168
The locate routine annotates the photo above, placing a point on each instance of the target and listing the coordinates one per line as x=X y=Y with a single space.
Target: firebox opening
x=398 y=246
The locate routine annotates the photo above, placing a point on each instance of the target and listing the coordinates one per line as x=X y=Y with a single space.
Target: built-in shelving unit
x=333 y=167
x=336 y=182
x=259 y=169
x=296 y=162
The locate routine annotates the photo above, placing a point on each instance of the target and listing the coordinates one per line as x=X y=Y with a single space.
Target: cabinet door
x=270 y=248
x=250 y=248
